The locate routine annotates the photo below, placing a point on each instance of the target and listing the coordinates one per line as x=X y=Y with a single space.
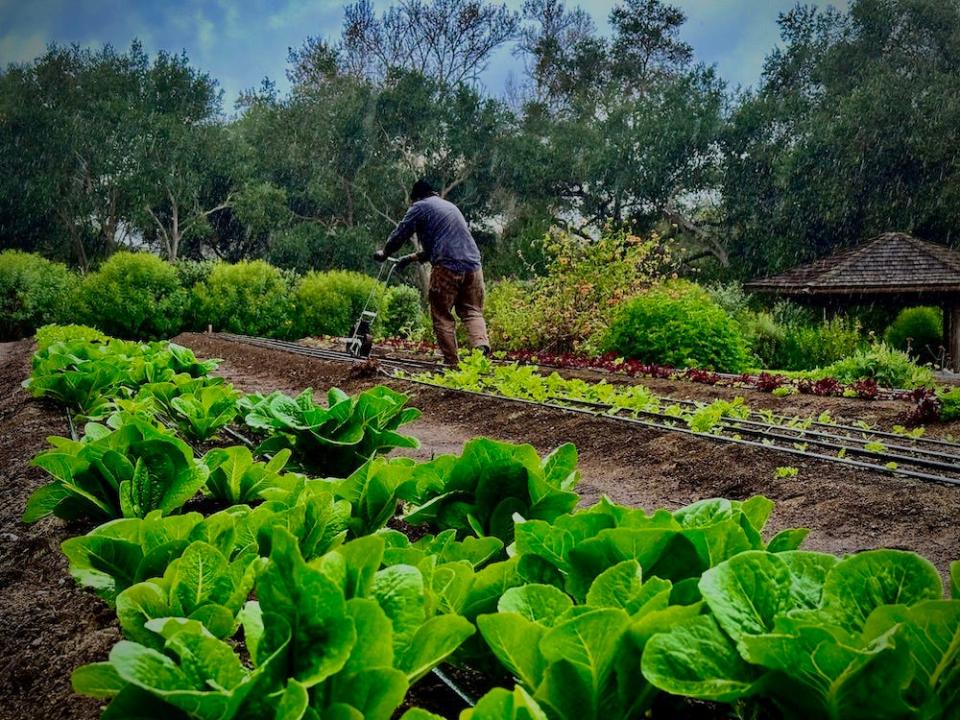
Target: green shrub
x=329 y=303
x=250 y=297
x=678 y=324
x=890 y=368
x=402 y=313
x=191 y=272
x=512 y=319
x=917 y=330
x=949 y=403
x=571 y=306
x=134 y=295
x=33 y=292
x=798 y=342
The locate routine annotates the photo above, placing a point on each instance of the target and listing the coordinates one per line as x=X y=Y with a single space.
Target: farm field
x=52 y=626
x=651 y=469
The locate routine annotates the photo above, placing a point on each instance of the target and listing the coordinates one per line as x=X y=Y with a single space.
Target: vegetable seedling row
x=663 y=422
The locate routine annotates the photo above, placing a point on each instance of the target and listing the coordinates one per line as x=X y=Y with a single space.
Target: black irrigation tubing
x=783 y=423
x=770 y=431
x=929 y=458
x=719 y=438
x=323 y=353
x=73 y=428
x=334 y=355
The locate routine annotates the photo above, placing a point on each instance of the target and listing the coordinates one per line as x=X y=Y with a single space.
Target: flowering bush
x=571 y=306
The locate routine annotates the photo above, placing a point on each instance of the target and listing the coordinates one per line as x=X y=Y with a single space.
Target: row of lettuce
x=140 y=296
x=290 y=598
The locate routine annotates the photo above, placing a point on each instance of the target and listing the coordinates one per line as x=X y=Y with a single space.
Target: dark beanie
x=421 y=189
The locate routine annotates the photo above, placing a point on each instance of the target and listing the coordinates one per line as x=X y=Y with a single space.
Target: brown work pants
x=463 y=292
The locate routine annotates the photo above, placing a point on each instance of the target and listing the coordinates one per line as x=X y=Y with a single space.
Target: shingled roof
x=891 y=263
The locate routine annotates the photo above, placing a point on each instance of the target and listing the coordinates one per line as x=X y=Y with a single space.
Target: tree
x=848 y=134
x=111 y=146
x=69 y=132
x=186 y=150
x=450 y=41
x=617 y=130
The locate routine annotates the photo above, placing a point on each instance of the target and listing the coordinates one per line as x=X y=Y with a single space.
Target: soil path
x=48 y=626
x=847 y=509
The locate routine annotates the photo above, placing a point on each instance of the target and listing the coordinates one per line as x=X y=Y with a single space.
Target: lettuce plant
x=237 y=478
x=868 y=636
x=202 y=584
x=581 y=662
x=334 y=638
x=84 y=373
x=127 y=551
x=678 y=546
x=126 y=472
x=331 y=441
x=479 y=491
x=373 y=490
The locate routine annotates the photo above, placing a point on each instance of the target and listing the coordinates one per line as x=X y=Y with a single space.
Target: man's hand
x=379 y=256
x=402 y=262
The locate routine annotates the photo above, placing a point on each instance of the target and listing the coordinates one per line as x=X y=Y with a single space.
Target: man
x=456 y=278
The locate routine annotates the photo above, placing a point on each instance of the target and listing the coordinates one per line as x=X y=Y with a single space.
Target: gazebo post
x=951 y=333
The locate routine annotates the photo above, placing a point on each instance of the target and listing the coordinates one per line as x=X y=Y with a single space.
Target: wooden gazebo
x=892 y=268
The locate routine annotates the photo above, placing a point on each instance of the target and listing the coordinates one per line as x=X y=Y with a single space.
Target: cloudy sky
x=243 y=41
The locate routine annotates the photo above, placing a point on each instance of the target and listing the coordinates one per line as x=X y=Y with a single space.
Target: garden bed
x=847 y=509
x=50 y=626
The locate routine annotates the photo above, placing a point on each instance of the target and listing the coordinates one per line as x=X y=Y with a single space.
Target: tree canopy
x=851 y=131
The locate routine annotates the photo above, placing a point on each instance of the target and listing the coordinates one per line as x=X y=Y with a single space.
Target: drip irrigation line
x=756 y=417
x=661 y=426
x=446 y=680
x=719 y=438
x=73 y=428
x=928 y=458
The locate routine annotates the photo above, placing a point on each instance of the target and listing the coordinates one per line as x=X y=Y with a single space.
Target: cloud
x=15 y=47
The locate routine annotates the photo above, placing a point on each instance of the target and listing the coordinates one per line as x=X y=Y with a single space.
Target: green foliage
x=403 y=312
x=336 y=636
x=336 y=440
x=127 y=472
x=918 y=330
x=249 y=298
x=329 y=303
x=237 y=478
x=866 y=636
x=949 y=403
x=677 y=324
x=890 y=368
x=374 y=492
x=510 y=314
x=570 y=306
x=33 y=292
x=134 y=295
x=789 y=340
x=479 y=491
x=51 y=334
x=797 y=184
x=198 y=407
x=85 y=373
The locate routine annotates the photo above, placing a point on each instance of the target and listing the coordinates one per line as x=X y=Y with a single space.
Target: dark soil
x=48 y=626
x=847 y=509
